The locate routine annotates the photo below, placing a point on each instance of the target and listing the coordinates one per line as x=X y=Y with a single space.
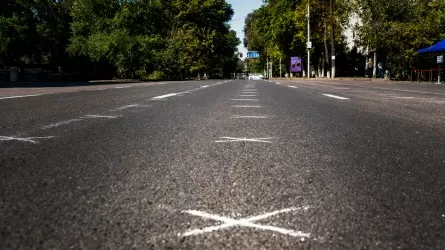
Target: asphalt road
x=224 y=164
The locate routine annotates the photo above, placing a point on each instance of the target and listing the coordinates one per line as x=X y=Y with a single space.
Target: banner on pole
x=295 y=64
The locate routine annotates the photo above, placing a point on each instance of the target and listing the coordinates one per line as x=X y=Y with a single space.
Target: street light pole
x=308 y=40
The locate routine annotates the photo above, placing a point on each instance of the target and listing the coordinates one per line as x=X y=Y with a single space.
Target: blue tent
x=438 y=47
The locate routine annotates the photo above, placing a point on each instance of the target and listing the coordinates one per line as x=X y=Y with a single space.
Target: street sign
x=439 y=59
x=253 y=54
x=309 y=45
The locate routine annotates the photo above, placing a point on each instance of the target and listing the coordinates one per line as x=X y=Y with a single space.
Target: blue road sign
x=253 y=54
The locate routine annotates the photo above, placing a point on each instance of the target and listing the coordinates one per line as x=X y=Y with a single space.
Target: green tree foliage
x=127 y=38
x=397 y=29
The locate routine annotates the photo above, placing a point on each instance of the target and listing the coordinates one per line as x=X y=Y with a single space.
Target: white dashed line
x=164 y=96
x=246 y=106
x=249 y=117
x=234 y=139
x=58 y=124
x=294 y=87
x=126 y=107
x=27 y=139
x=253 y=100
x=102 y=116
x=18 y=96
x=205 y=86
x=336 y=97
x=123 y=87
x=248 y=95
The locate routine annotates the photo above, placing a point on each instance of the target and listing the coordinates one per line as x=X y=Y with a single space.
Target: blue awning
x=438 y=47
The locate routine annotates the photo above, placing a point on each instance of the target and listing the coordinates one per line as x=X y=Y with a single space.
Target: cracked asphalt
x=224 y=164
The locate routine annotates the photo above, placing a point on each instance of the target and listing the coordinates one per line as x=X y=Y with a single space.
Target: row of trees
x=391 y=29
x=125 y=38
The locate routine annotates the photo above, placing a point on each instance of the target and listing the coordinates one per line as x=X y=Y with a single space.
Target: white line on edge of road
x=19 y=96
x=336 y=97
x=164 y=96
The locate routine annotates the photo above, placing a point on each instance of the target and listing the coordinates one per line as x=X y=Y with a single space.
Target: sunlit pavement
x=224 y=164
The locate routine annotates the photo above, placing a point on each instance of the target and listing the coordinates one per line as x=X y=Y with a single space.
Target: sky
x=242 y=8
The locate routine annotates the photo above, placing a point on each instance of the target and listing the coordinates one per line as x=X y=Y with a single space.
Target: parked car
x=256 y=77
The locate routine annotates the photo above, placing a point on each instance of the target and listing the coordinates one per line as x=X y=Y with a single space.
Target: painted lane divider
x=336 y=97
x=32 y=140
x=247 y=106
x=102 y=116
x=245 y=222
x=294 y=87
x=253 y=100
x=164 y=96
x=19 y=96
x=249 y=117
x=248 y=95
x=58 y=124
x=234 y=139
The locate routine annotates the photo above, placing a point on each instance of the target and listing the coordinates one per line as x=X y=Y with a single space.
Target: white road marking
x=248 y=95
x=246 y=106
x=27 y=139
x=254 y=100
x=205 y=86
x=164 y=96
x=403 y=97
x=336 y=97
x=234 y=139
x=123 y=87
x=102 y=116
x=58 y=124
x=18 y=96
x=245 y=222
x=278 y=83
x=294 y=87
x=249 y=117
x=126 y=107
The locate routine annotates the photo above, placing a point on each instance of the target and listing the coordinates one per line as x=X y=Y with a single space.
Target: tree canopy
x=394 y=29
x=126 y=38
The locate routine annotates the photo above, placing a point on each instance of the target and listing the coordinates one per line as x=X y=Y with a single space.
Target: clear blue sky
x=242 y=8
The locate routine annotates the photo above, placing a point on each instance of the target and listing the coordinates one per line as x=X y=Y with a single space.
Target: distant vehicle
x=256 y=77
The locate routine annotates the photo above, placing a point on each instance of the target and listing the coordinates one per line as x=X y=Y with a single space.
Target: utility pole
x=332 y=40
x=280 y=68
x=267 y=68
x=309 y=45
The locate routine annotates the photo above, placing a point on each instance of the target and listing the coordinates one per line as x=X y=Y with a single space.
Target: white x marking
x=245 y=222
x=233 y=139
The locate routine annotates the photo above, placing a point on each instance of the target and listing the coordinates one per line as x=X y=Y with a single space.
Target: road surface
x=223 y=164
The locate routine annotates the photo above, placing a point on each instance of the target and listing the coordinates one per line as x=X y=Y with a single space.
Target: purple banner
x=295 y=64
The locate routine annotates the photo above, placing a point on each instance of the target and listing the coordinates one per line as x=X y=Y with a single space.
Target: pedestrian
x=380 y=70
x=370 y=67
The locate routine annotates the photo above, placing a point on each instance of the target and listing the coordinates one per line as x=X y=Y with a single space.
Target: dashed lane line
x=336 y=97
